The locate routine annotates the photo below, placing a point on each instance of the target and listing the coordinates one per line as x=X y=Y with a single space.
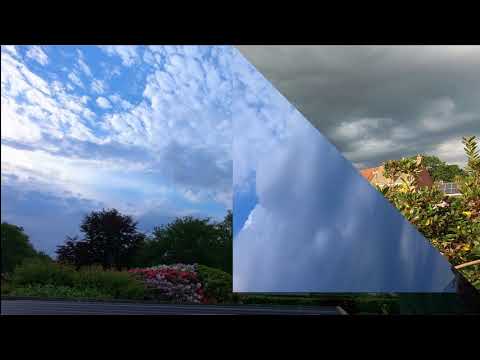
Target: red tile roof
x=423 y=180
x=368 y=173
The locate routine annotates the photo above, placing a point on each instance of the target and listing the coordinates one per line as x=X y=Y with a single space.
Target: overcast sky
x=381 y=102
x=146 y=130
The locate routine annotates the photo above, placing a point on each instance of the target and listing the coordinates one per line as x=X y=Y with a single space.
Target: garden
x=190 y=260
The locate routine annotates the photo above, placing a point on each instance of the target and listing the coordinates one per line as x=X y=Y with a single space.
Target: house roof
x=368 y=173
x=424 y=178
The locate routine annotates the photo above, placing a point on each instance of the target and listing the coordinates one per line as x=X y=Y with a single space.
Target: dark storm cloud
x=380 y=102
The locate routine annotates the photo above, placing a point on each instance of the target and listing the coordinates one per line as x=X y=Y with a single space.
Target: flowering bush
x=178 y=282
x=452 y=224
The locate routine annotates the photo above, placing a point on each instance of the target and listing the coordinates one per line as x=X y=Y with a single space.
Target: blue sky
x=146 y=130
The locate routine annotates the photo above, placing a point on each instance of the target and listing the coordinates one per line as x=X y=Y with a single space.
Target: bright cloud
x=103 y=103
x=153 y=140
x=98 y=86
x=128 y=54
x=36 y=53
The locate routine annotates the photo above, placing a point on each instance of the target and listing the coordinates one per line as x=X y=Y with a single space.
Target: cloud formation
x=310 y=213
x=153 y=140
x=380 y=102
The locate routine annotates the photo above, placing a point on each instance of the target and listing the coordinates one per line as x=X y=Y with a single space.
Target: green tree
x=15 y=247
x=110 y=239
x=441 y=171
x=225 y=229
x=438 y=169
x=190 y=240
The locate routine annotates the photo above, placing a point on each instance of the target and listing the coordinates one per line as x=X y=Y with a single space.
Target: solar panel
x=449 y=188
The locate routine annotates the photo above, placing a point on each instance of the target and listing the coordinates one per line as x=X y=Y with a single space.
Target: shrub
x=51 y=291
x=217 y=284
x=6 y=288
x=178 y=283
x=452 y=224
x=117 y=284
x=40 y=272
x=36 y=274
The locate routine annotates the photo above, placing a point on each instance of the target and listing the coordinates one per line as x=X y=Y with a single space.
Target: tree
x=75 y=252
x=190 y=240
x=225 y=229
x=16 y=247
x=438 y=169
x=110 y=239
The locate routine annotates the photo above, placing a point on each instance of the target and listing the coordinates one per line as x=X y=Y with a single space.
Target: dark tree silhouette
x=75 y=252
x=110 y=239
x=15 y=247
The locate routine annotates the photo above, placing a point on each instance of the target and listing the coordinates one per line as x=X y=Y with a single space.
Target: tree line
x=111 y=239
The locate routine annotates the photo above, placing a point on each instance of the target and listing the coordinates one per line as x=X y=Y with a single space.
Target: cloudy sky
x=305 y=220
x=381 y=102
x=144 y=129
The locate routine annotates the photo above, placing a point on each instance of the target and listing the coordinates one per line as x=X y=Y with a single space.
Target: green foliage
x=411 y=167
x=217 y=284
x=470 y=184
x=441 y=171
x=452 y=224
x=472 y=274
x=190 y=240
x=117 y=284
x=471 y=150
x=64 y=292
x=38 y=274
x=15 y=247
x=6 y=288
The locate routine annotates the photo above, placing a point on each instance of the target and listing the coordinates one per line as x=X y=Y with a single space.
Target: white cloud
x=10 y=48
x=36 y=53
x=15 y=126
x=75 y=79
x=56 y=173
x=98 y=86
x=128 y=53
x=115 y=98
x=82 y=64
x=103 y=103
x=451 y=151
x=47 y=108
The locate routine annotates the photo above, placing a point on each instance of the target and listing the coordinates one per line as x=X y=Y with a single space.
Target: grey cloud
x=199 y=168
x=405 y=87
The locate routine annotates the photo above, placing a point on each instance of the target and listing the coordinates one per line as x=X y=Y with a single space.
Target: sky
x=305 y=220
x=146 y=130
x=165 y=131
x=377 y=103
